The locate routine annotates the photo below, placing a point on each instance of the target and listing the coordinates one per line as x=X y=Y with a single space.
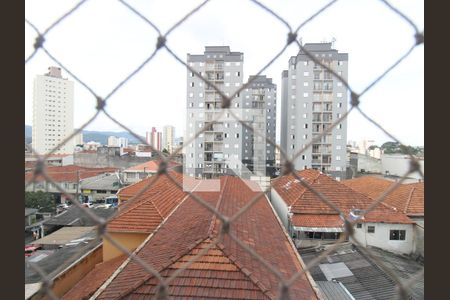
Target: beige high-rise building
x=52 y=112
x=168 y=137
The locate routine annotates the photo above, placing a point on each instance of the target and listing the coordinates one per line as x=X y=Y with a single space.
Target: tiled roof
x=148 y=210
x=69 y=173
x=303 y=201
x=408 y=198
x=150 y=166
x=309 y=220
x=86 y=287
x=132 y=189
x=227 y=271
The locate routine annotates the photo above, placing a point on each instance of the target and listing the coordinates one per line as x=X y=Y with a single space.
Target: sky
x=103 y=41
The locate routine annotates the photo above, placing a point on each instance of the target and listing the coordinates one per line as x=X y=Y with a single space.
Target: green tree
x=165 y=151
x=43 y=201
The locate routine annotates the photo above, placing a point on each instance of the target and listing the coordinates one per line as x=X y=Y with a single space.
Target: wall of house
x=65 y=281
x=280 y=207
x=380 y=238
x=419 y=231
x=129 y=240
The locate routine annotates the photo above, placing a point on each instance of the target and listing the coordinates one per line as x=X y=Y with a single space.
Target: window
x=339 y=105
x=305 y=95
x=397 y=235
x=238 y=73
x=339 y=95
x=338 y=137
x=305 y=73
x=371 y=229
x=359 y=225
x=306 y=83
x=192 y=84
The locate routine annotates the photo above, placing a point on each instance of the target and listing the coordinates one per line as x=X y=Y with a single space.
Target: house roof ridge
x=136 y=251
x=162 y=268
x=409 y=199
x=214 y=217
x=306 y=189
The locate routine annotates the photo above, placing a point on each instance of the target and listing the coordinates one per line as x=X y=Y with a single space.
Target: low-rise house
x=138 y=218
x=74 y=216
x=407 y=198
x=68 y=177
x=30 y=216
x=76 y=252
x=226 y=271
x=99 y=187
x=57 y=160
x=312 y=222
x=141 y=171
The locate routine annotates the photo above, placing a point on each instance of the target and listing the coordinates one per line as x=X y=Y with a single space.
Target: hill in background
x=96 y=136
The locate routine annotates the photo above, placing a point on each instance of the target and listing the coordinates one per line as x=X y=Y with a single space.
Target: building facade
x=312 y=99
x=259 y=103
x=168 y=138
x=154 y=138
x=52 y=112
x=219 y=149
x=114 y=141
x=228 y=147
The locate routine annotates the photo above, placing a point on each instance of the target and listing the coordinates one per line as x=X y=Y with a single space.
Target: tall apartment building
x=219 y=149
x=227 y=147
x=168 y=138
x=154 y=138
x=259 y=110
x=312 y=99
x=52 y=112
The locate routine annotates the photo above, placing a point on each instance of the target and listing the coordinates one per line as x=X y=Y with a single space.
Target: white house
x=312 y=222
x=407 y=198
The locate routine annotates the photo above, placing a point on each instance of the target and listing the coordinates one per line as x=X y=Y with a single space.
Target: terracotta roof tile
x=150 y=166
x=408 y=198
x=146 y=212
x=87 y=286
x=69 y=173
x=303 y=201
x=227 y=271
x=309 y=220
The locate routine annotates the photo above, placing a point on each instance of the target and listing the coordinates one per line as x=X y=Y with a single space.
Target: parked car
x=87 y=204
x=30 y=249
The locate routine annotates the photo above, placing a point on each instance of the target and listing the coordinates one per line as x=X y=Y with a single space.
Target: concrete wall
x=103 y=160
x=398 y=165
x=129 y=240
x=280 y=207
x=368 y=164
x=380 y=238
